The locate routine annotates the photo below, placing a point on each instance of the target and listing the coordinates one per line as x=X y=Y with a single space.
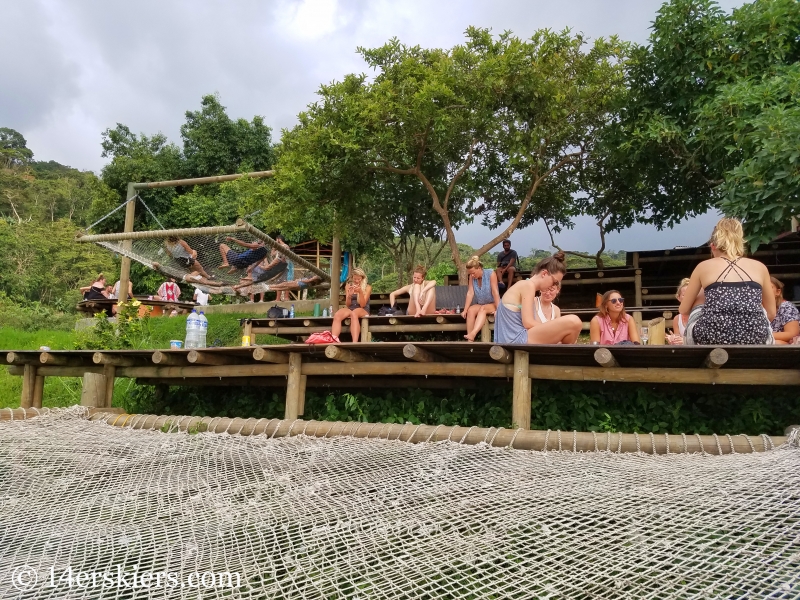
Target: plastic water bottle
x=458 y=309
x=192 y=330
x=203 y=331
x=330 y=310
x=291 y=312
x=324 y=312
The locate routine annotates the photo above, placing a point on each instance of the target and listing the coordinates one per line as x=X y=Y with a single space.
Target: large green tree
x=713 y=116
x=492 y=129
x=213 y=144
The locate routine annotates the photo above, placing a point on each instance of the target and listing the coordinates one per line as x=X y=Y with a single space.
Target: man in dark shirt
x=506 y=264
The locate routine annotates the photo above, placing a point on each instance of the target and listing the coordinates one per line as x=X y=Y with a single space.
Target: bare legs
x=223 y=250
x=476 y=318
x=355 y=322
x=563 y=330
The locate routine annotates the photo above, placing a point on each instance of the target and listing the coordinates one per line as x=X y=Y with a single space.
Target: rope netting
x=236 y=259
x=342 y=517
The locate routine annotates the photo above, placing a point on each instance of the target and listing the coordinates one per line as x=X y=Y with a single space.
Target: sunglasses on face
x=615 y=300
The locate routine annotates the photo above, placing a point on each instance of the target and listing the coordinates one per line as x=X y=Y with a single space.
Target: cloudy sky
x=72 y=68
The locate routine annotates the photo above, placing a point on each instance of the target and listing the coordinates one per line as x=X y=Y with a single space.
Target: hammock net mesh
x=219 y=262
x=301 y=517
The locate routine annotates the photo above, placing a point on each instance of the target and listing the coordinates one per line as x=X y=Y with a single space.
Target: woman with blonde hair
x=739 y=303
x=515 y=322
x=483 y=297
x=357 y=297
x=422 y=294
x=786 y=324
x=612 y=325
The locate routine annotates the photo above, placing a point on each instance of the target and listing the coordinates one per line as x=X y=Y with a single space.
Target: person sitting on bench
x=422 y=294
x=507 y=264
x=96 y=291
x=357 y=295
x=483 y=297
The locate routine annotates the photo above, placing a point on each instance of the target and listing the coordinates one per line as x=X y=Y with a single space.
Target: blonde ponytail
x=728 y=237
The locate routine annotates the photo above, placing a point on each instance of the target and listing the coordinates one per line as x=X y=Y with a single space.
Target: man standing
x=506 y=264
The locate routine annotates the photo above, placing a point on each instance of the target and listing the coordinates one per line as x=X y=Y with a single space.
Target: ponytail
x=552 y=264
x=474 y=262
x=728 y=237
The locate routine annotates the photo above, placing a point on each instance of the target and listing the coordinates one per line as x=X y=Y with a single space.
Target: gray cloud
x=74 y=68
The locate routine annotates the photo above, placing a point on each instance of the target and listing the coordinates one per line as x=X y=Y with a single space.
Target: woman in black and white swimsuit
x=739 y=302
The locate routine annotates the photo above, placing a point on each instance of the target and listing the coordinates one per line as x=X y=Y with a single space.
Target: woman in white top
x=543 y=308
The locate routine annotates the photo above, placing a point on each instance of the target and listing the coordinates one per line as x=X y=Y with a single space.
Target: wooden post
x=716 y=358
x=196 y=357
x=486 y=333
x=418 y=354
x=109 y=372
x=125 y=267
x=248 y=331
x=637 y=279
x=604 y=358
x=270 y=356
x=521 y=403
x=302 y=401
x=293 y=387
x=501 y=355
x=637 y=318
x=366 y=336
x=28 y=383
x=657 y=330
x=345 y=355
x=336 y=267
x=93 y=392
x=38 y=391
x=162 y=358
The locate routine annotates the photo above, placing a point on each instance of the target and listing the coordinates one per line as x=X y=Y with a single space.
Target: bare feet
x=232 y=270
x=469 y=339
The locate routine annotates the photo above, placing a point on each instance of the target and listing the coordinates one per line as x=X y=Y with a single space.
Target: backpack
x=388 y=311
x=275 y=312
x=322 y=337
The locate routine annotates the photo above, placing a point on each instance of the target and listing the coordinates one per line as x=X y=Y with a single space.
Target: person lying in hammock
x=265 y=270
x=285 y=286
x=184 y=254
x=198 y=278
x=256 y=252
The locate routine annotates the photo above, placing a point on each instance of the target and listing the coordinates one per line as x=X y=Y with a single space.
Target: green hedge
x=567 y=406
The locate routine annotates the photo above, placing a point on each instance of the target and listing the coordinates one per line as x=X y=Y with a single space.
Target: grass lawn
x=223 y=330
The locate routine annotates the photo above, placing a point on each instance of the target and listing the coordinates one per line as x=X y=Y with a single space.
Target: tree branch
x=459 y=173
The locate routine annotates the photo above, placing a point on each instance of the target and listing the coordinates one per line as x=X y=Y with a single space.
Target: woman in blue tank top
x=483 y=297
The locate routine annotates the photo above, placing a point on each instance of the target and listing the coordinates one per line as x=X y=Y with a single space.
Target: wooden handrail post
x=293 y=387
x=94 y=390
x=125 y=267
x=486 y=333
x=109 y=372
x=637 y=279
x=521 y=400
x=366 y=336
x=28 y=384
x=336 y=267
x=38 y=391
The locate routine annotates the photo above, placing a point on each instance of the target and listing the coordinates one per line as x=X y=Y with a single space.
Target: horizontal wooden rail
x=518 y=439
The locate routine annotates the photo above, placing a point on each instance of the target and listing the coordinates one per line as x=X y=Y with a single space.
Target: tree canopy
x=490 y=129
x=713 y=118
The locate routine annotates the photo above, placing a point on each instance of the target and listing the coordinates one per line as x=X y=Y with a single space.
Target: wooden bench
x=155 y=308
x=449 y=326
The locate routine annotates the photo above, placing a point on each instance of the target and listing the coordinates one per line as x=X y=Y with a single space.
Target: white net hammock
x=231 y=260
x=301 y=517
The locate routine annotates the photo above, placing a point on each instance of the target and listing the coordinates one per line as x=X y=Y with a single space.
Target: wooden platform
x=449 y=327
x=440 y=364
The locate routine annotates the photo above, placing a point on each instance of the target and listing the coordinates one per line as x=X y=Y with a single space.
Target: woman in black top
x=357 y=298
x=96 y=291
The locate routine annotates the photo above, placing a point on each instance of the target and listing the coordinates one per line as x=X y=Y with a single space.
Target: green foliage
x=14 y=150
x=566 y=406
x=30 y=317
x=712 y=117
x=41 y=262
x=125 y=331
x=488 y=129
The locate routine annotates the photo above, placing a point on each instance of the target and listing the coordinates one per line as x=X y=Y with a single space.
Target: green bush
x=31 y=316
x=566 y=406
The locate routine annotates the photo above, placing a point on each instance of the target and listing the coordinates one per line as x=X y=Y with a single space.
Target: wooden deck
x=450 y=327
x=155 y=308
x=397 y=364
